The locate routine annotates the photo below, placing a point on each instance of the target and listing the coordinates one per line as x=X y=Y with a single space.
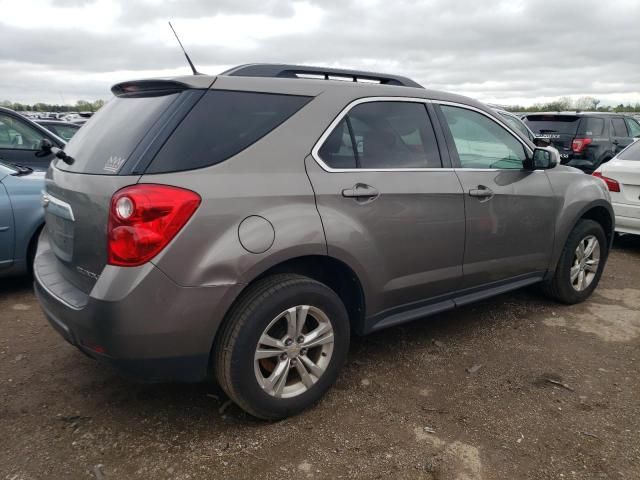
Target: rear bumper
x=627 y=218
x=136 y=320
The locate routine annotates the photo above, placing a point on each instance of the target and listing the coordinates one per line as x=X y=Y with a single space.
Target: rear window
x=222 y=124
x=631 y=153
x=561 y=124
x=103 y=145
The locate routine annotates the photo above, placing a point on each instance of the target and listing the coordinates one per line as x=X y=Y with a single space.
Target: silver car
x=243 y=225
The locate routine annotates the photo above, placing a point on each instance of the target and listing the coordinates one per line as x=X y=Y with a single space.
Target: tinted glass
x=63 y=131
x=591 y=127
x=222 y=124
x=563 y=124
x=105 y=143
x=18 y=135
x=619 y=127
x=337 y=150
x=634 y=127
x=390 y=135
x=481 y=142
x=631 y=153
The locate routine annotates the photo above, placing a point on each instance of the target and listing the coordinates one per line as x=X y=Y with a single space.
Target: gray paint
x=422 y=246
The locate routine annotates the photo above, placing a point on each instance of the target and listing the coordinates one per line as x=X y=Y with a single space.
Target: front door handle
x=481 y=192
x=361 y=191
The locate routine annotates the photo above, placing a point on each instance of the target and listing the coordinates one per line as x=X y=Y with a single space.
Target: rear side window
x=631 y=153
x=591 y=127
x=383 y=135
x=515 y=124
x=634 y=127
x=549 y=124
x=619 y=127
x=221 y=125
x=103 y=145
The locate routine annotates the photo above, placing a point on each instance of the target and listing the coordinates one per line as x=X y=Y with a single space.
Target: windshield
x=515 y=124
x=8 y=166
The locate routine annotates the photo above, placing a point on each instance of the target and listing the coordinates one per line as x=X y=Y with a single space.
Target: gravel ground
x=516 y=387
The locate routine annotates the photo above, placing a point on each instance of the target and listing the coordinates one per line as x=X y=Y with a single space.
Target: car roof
x=268 y=80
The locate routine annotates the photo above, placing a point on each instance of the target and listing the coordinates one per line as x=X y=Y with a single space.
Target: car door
x=6 y=225
x=510 y=211
x=20 y=142
x=620 y=136
x=388 y=207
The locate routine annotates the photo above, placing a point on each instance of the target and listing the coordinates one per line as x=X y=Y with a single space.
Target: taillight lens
x=579 y=144
x=144 y=218
x=612 y=185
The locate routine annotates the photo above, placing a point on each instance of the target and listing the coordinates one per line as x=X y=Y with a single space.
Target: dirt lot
x=557 y=395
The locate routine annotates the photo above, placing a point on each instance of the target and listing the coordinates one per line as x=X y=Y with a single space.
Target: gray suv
x=243 y=226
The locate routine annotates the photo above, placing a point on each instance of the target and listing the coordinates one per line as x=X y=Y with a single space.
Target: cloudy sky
x=511 y=51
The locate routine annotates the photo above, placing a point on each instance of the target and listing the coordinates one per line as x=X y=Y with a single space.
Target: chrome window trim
x=316 y=148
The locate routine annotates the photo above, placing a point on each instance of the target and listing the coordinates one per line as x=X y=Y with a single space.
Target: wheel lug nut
x=300 y=339
x=288 y=342
x=283 y=356
x=303 y=351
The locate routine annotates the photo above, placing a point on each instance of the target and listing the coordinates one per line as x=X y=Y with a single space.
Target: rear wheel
x=581 y=263
x=282 y=345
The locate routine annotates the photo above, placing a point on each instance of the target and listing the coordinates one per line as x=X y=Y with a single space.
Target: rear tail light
x=612 y=185
x=143 y=219
x=579 y=144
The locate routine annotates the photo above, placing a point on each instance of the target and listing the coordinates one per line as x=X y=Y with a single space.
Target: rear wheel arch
x=327 y=270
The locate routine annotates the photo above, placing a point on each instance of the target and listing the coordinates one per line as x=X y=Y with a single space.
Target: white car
x=622 y=176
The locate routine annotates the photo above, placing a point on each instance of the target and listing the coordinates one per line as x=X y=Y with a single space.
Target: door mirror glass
x=545 y=158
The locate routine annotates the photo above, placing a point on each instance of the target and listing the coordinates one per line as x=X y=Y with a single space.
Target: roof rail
x=303 y=71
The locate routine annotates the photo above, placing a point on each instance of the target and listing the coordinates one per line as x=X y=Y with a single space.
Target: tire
x=263 y=308
x=561 y=286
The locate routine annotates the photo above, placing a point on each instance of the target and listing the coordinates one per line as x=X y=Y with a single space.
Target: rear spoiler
x=148 y=88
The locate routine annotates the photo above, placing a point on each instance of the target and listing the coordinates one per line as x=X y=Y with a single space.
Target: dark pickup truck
x=585 y=140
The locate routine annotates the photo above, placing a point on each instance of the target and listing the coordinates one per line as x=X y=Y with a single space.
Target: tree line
x=79 y=106
x=568 y=104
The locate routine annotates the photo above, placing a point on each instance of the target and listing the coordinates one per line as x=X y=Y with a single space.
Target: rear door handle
x=361 y=191
x=481 y=192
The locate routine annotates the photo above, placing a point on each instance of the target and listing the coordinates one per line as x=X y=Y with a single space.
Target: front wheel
x=282 y=345
x=581 y=263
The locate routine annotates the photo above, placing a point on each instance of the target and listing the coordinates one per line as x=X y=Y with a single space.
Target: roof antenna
x=193 y=68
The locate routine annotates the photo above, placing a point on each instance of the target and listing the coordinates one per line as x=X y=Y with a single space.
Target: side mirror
x=545 y=158
x=45 y=148
x=542 y=142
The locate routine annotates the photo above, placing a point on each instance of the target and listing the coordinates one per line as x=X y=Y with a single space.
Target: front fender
x=578 y=194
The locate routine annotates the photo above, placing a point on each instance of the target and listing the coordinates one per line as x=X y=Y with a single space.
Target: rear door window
x=221 y=125
x=383 y=135
x=619 y=127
